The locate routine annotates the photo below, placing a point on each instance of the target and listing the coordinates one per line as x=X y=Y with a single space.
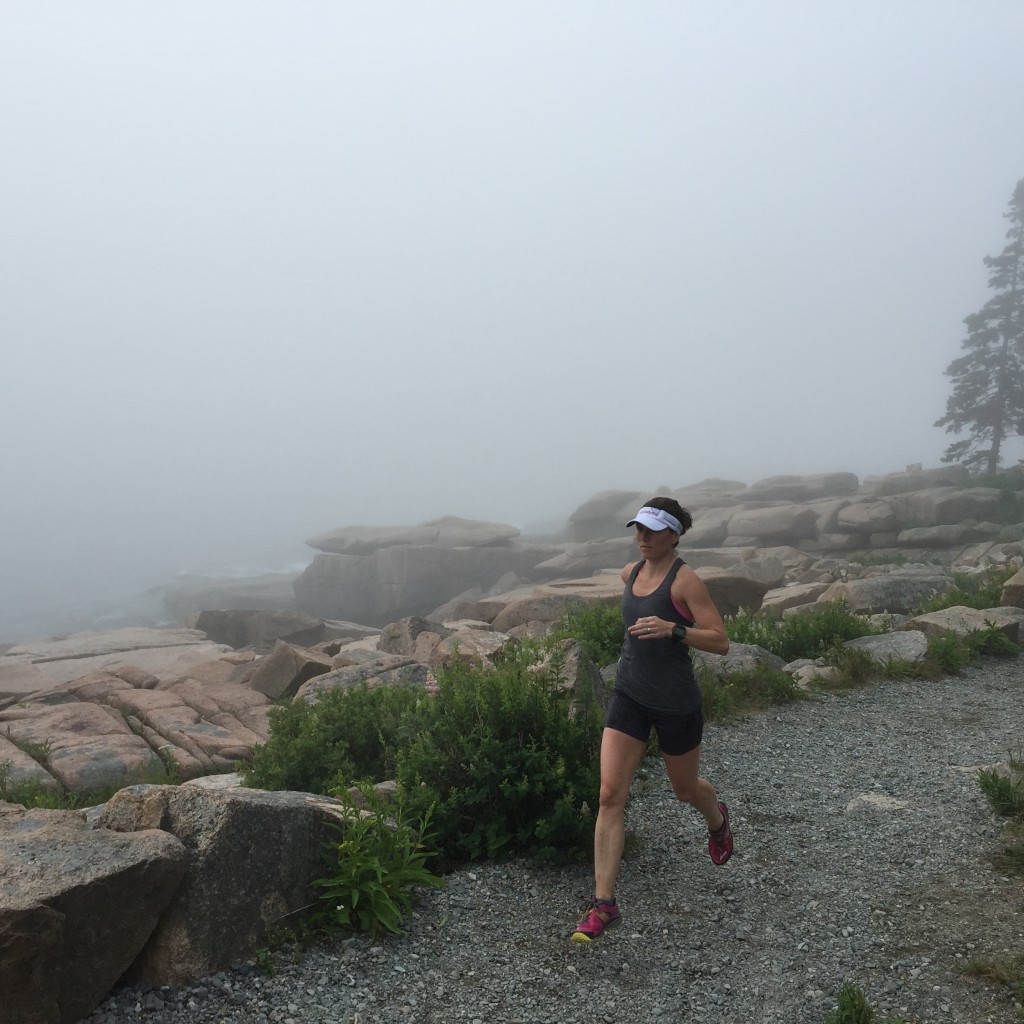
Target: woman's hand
x=650 y=627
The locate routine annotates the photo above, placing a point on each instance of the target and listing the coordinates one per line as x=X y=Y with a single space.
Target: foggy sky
x=268 y=269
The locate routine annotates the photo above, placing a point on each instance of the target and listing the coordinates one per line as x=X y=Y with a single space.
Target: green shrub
x=344 y=736
x=1004 y=794
x=1003 y=970
x=742 y=692
x=32 y=793
x=854 y=1008
x=507 y=767
x=597 y=627
x=948 y=653
x=374 y=867
x=973 y=591
x=855 y=667
x=808 y=634
x=990 y=642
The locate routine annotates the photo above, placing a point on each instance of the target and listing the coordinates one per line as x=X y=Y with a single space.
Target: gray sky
x=271 y=268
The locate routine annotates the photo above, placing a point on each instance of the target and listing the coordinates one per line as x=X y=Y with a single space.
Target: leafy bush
x=500 y=755
x=740 y=692
x=854 y=1008
x=598 y=628
x=345 y=736
x=808 y=634
x=32 y=793
x=374 y=867
x=948 y=653
x=1003 y=970
x=506 y=765
x=973 y=591
x=1004 y=794
x=990 y=642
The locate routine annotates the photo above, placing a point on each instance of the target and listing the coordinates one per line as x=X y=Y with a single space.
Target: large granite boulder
x=866 y=517
x=803 y=488
x=907 y=645
x=739 y=658
x=940 y=506
x=396 y=582
x=471 y=646
x=710 y=526
x=775 y=524
x=1013 y=590
x=65 y=935
x=252 y=859
x=961 y=621
x=901 y=591
x=409 y=636
x=577 y=674
x=779 y=599
x=589 y=557
x=921 y=479
x=951 y=535
x=603 y=515
x=384 y=670
x=446 y=532
x=281 y=673
x=731 y=591
x=188 y=595
x=260 y=629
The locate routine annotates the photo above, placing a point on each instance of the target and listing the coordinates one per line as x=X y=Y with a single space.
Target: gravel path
x=863 y=853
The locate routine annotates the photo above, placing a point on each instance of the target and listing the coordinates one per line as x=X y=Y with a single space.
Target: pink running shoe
x=720 y=842
x=601 y=915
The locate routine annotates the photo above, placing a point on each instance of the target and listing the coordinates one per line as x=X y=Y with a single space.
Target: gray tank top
x=657 y=674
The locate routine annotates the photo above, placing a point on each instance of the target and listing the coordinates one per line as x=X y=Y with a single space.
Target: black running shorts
x=677 y=734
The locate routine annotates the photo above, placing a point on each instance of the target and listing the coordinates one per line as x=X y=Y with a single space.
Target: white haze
x=268 y=269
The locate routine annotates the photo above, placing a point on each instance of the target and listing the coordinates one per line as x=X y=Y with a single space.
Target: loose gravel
x=864 y=853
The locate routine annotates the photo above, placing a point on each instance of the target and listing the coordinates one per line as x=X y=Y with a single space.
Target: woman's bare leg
x=690 y=788
x=620 y=756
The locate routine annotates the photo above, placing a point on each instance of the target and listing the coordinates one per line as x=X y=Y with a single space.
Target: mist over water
x=267 y=270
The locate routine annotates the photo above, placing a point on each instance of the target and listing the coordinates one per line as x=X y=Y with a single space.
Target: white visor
x=656 y=519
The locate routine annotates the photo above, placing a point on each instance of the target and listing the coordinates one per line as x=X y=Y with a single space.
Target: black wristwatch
x=679 y=634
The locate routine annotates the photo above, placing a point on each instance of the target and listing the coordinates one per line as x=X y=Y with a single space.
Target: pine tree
x=988 y=380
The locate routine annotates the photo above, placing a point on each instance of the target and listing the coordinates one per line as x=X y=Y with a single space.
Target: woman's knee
x=613 y=797
x=687 y=792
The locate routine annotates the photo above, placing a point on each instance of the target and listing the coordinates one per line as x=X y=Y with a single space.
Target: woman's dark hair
x=672 y=507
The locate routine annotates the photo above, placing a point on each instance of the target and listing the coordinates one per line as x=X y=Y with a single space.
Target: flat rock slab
x=83 y=645
x=161 y=652
x=84 y=746
x=19 y=677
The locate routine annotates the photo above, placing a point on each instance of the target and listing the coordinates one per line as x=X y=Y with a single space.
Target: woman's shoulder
x=627 y=571
x=684 y=574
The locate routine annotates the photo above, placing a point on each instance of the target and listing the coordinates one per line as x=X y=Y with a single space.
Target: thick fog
x=267 y=269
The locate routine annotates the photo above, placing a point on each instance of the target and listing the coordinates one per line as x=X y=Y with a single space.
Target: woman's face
x=654 y=543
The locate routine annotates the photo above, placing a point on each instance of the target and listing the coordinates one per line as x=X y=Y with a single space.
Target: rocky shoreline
x=103 y=711
x=864 y=854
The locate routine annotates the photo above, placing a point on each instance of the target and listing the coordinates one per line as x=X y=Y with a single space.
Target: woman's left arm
x=708 y=632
